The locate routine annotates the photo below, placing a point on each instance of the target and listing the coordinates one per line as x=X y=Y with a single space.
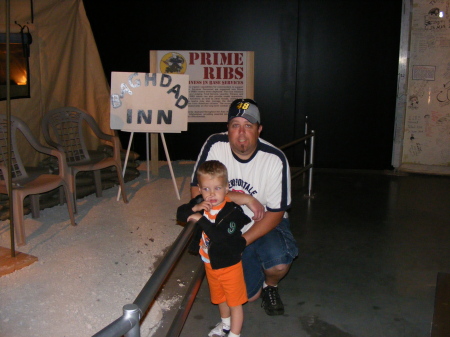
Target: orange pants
x=227 y=284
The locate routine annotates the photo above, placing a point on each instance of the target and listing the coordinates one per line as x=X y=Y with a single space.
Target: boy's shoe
x=271 y=301
x=220 y=330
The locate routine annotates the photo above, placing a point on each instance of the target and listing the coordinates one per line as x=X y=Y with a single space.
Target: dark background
x=334 y=62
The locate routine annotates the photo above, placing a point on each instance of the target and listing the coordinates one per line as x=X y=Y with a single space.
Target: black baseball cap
x=245 y=108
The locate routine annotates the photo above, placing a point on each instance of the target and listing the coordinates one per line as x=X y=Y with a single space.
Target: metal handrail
x=294 y=142
x=128 y=324
x=188 y=301
x=310 y=164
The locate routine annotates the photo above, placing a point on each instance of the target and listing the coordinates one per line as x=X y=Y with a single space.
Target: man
x=257 y=168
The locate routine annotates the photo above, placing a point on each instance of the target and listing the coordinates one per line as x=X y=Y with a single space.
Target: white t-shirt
x=265 y=176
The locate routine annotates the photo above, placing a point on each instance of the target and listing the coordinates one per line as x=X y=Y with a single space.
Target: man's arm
x=264 y=226
x=251 y=202
x=241 y=199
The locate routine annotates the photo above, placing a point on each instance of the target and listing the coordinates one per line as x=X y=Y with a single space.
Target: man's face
x=243 y=136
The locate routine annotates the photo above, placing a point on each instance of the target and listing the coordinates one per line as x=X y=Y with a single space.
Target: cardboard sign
x=149 y=102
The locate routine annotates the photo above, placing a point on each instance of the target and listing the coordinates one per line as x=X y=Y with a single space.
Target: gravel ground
x=86 y=274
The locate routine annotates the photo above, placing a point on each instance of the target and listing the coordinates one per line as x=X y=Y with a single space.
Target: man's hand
x=264 y=226
x=257 y=208
x=251 y=202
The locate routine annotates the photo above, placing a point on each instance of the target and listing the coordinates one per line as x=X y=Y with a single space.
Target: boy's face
x=213 y=189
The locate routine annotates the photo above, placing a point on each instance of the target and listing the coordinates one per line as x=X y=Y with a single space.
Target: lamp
x=19 y=65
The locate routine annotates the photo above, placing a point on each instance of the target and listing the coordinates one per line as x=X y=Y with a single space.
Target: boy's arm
x=184 y=211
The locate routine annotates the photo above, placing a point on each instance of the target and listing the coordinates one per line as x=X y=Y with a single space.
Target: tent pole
x=32 y=11
x=8 y=122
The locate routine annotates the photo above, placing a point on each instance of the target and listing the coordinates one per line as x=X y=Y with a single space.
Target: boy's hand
x=203 y=206
x=194 y=217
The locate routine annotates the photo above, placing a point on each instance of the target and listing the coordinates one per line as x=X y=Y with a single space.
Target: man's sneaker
x=271 y=301
x=220 y=330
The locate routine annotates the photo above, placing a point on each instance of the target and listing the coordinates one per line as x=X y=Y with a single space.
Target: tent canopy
x=65 y=67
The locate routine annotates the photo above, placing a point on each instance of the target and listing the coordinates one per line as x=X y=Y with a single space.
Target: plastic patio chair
x=27 y=183
x=66 y=125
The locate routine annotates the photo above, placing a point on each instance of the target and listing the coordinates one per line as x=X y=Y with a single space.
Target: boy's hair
x=213 y=168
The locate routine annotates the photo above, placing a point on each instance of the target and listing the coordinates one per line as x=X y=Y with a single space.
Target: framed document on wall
x=216 y=78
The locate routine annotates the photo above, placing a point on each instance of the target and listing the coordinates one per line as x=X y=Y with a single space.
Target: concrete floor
x=371 y=246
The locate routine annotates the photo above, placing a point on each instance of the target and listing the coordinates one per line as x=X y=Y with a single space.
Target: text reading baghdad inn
x=150 y=79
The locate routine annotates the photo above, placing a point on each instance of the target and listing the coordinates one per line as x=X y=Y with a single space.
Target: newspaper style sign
x=216 y=78
x=149 y=102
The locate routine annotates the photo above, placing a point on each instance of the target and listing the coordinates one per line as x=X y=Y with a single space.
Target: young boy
x=221 y=244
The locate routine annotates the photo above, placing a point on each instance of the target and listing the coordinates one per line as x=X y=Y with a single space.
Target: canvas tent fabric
x=65 y=66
